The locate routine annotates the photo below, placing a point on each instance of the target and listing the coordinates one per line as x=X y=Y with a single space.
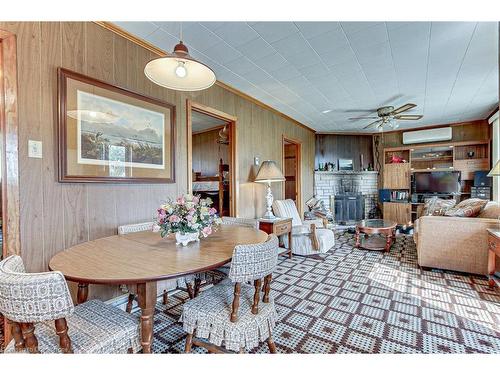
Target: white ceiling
x=449 y=69
x=201 y=121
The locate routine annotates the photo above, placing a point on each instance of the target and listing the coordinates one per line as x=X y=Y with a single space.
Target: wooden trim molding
x=9 y=152
x=298 y=178
x=145 y=44
x=232 y=120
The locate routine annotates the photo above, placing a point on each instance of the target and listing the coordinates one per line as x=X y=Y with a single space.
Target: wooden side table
x=278 y=226
x=493 y=252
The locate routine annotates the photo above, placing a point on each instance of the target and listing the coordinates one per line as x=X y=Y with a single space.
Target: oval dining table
x=143 y=259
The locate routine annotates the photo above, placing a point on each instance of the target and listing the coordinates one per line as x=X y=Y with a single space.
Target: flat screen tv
x=437 y=182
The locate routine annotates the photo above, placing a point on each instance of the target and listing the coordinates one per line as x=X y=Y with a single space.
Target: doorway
x=212 y=156
x=291 y=170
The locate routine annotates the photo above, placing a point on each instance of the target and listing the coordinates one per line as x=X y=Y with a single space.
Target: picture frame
x=110 y=134
x=346 y=165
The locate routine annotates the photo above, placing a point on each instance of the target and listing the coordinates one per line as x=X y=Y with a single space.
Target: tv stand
x=421 y=197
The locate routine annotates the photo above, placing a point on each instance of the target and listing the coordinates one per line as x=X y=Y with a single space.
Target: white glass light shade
x=495 y=171
x=168 y=71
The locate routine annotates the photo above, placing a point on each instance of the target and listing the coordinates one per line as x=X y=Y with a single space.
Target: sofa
x=456 y=243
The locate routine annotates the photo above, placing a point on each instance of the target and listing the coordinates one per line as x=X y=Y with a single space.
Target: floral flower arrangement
x=187 y=214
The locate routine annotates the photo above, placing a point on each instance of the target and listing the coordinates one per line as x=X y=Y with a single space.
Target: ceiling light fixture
x=179 y=71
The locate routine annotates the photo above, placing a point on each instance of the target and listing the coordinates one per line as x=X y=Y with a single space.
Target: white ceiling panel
x=449 y=69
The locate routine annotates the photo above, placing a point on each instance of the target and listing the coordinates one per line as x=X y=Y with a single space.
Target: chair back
x=132 y=228
x=255 y=261
x=242 y=221
x=287 y=208
x=32 y=297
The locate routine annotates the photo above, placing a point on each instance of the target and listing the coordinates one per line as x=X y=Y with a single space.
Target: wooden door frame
x=298 y=167
x=233 y=155
x=9 y=147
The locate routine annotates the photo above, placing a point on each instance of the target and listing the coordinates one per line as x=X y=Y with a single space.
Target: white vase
x=184 y=239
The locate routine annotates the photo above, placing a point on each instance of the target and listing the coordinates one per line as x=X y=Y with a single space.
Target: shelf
x=441 y=158
x=432 y=170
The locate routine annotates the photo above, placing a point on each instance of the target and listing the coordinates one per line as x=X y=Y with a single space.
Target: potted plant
x=188 y=217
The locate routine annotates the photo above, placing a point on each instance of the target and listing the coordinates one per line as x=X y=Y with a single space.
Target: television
x=437 y=182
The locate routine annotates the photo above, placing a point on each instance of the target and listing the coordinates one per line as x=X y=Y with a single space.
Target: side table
x=493 y=252
x=278 y=226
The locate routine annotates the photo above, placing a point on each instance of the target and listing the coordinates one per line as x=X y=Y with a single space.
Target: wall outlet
x=256 y=160
x=34 y=149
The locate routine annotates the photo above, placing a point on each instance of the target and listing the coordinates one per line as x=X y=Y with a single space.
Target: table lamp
x=495 y=171
x=269 y=172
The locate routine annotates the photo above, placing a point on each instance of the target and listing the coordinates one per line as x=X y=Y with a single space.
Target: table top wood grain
x=146 y=256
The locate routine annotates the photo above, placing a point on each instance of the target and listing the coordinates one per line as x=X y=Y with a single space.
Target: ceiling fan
x=389 y=116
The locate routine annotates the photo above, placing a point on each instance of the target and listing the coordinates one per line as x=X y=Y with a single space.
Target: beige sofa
x=456 y=243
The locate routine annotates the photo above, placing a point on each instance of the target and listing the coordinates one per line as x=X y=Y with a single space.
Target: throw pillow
x=490 y=211
x=437 y=206
x=467 y=208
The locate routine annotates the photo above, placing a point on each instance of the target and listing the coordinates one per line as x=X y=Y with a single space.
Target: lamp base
x=268 y=216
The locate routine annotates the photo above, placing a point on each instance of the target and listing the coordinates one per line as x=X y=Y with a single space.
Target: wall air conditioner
x=427 y=136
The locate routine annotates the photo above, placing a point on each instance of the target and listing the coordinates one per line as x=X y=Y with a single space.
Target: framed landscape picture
x=111 y=134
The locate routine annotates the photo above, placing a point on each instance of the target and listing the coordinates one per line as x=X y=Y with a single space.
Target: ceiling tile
x=274 y=31
x=236 y=33
x=222 y=53
x=241 y=65
x=286 y=72
x=271 y=63
x=312 y=29
x=198 y=37
x=256 y=49
x=328 y=41
x=162 y=40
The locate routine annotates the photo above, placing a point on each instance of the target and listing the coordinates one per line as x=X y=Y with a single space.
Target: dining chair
x=308 y=236
x=230 y=313
x=246 y=222
x=43 y=319
x=192 y=283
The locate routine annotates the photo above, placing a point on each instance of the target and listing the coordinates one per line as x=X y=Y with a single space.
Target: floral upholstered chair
x=245 y=222
x=43 y=318
x=308 y=236
x=229 y=313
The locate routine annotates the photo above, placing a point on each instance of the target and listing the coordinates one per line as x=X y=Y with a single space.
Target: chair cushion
x=209 y=315
x=437 y=206
x=287 y=208
x=95 y=328
x=490 y=211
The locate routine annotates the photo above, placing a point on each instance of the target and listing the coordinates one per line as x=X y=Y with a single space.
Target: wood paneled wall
x=207 y=152
x=331 y=147
x=55 y=216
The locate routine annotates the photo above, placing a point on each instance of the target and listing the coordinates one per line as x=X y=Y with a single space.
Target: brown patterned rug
x=358 y=301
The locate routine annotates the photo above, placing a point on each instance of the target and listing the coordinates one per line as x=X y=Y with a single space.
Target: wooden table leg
x=491 y=268
x=388 y=242
x=146 y=294
x=358 y=243
x=290 y=244
x=83 y=293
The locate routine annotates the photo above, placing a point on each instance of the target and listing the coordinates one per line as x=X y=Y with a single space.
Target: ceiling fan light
x=179 y=71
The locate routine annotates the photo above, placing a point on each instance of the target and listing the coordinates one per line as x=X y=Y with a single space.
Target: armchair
x=31 y=301
x=308 y=236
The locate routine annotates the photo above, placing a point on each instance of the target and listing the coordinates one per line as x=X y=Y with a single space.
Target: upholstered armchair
x=230 y=313
x=43 y=318
x=308 y=236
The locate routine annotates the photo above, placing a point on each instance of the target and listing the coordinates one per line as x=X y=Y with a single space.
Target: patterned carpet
x=357 y=301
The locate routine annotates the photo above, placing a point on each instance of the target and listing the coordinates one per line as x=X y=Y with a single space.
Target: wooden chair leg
x=165 y=297
x=189 y=343
x=17 y=335
x=130 y=303
x=197 y=285
x=30 y=340
x=190 y=290
x=271 y=345
x=62 y=332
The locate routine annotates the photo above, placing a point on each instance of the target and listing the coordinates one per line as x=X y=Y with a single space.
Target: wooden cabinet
x=397 y=176
x=398 y=212
x=468 y=167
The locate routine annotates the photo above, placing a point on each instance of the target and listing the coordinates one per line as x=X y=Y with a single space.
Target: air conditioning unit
x=427 y=136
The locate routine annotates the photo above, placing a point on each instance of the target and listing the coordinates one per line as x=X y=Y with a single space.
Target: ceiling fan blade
x=408 y=117
x=363 y=117
x=404 y=108
x=371 y=124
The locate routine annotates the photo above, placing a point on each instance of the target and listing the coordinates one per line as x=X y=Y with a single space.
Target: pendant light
x=179 y=71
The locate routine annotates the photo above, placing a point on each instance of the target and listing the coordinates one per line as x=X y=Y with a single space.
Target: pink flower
x=189 y=218
x=174 y=219
x=196 y=199
x=207 y=231
x=181 y=200
x=212 y=211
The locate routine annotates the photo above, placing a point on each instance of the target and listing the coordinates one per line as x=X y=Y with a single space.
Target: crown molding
x=147 y=45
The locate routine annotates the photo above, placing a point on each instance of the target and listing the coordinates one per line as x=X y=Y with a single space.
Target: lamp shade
x=495 y=171
x=179 y=71
x=269 y=172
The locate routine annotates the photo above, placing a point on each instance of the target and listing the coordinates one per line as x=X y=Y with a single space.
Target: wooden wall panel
x=331 y=147
x=207 y=152
x=55 y=215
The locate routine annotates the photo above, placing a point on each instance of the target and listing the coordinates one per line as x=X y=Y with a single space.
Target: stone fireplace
x=362 y=185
